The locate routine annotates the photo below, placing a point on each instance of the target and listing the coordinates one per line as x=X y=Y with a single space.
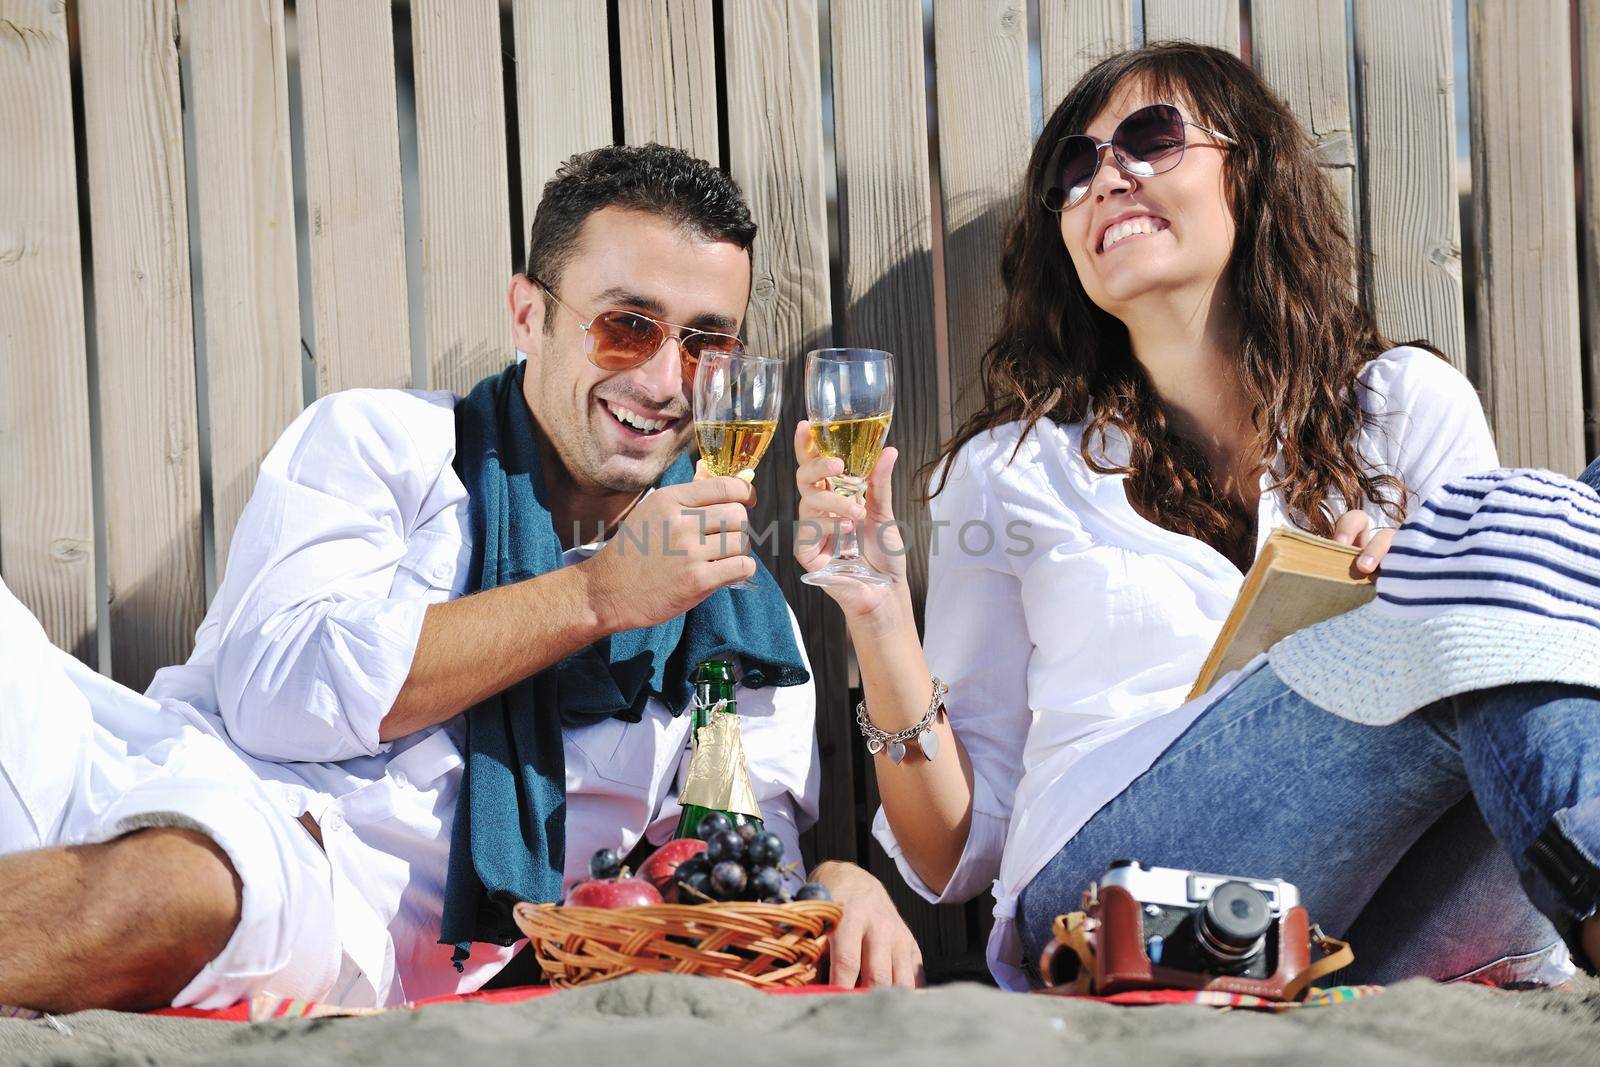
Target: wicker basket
x=764 y=945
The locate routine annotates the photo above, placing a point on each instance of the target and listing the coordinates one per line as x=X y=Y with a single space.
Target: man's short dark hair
x=649 y=177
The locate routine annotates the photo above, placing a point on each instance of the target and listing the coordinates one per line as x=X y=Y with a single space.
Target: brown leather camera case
x=1122 y=965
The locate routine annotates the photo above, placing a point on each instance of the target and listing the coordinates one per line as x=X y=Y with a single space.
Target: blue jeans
x=1465 y=834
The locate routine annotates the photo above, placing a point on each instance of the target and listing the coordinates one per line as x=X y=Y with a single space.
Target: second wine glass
x=850 y=402
x=737 y=398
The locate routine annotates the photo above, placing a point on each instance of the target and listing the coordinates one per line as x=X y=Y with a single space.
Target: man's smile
x=639 y=424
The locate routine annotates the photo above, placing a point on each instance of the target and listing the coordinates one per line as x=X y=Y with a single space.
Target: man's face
x=640 y=262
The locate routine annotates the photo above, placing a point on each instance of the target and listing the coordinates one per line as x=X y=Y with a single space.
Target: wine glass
x=850 y=401
x=736 y=399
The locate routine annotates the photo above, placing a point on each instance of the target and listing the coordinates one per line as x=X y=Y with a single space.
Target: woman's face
x=1181 y=232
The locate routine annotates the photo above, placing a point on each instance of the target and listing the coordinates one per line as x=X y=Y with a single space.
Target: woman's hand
x=825 y=514
x=1355 y=528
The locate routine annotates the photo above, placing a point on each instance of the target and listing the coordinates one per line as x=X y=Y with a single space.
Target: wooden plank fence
x=47 y=528
x=245 y=189
x=466 y=200
x=354 y=211
x=1524 y=216
x=1410 y=215
x=1588 y=52
x=133 y=135
x=107 y=328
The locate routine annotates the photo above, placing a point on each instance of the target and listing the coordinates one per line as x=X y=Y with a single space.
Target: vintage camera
x=1160 y=928
x=1206 y=923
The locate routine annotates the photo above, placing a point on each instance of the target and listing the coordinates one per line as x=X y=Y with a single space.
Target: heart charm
x=874 y=746
x=897 y=752
x=928 y=741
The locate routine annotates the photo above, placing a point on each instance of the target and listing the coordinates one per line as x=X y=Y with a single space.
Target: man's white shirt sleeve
x=313 y=649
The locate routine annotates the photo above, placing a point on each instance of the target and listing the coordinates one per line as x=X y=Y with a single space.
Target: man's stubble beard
x=618 y=484
x=594 y=460
x=580 y=436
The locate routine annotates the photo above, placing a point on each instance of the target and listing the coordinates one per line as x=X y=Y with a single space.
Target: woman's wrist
x=885 y=619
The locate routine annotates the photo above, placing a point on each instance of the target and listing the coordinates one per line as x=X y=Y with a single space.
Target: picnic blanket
x=264 y=1008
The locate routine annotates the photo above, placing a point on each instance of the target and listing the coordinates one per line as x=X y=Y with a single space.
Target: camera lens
x=1234 y=922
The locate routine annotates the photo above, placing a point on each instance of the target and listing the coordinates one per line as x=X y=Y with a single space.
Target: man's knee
x=126 y=924
x=175 y=899
x=208 y=888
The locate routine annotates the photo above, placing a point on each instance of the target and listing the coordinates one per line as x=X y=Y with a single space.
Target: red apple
x=662 y=865
x=613 y=893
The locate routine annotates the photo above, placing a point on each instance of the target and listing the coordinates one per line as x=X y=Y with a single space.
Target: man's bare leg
x=126 y=924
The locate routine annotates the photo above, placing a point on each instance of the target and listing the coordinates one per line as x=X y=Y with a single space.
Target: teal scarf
x=509 y=839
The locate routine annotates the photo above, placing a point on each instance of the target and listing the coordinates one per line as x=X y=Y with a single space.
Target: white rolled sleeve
x=313 y=651
x=1430 y=424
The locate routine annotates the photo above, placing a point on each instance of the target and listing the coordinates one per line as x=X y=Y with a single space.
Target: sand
x=687 y=1022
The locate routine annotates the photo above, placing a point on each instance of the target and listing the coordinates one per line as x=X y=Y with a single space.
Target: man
x=340 y=653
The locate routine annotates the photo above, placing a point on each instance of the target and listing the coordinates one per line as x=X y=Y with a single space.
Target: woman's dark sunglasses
x=619 y=339
x=1148 y=141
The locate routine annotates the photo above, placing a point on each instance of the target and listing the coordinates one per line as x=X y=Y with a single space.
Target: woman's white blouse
x=1069 y=628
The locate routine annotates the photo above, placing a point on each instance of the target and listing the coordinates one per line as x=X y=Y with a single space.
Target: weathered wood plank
x=775 y=154
x=985 y=135
x=466 y=223
x=881 y=138
x=1523 y=206
x=1213 y=22
x=1410 y=214
x=669 y=74
x=1588 y=28
x=1074 y=35
x=46 y=492
x=143 y=324
x=886 y=221
x=563 y=87
x=1301 y=47
x=249 y=287
x=352 y=149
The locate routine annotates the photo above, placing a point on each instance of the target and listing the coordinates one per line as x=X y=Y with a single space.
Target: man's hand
x=872 y=946
x=680 y=545
x=1355 y=528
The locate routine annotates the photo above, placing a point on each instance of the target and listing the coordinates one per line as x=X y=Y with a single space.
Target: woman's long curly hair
x=1304 y=334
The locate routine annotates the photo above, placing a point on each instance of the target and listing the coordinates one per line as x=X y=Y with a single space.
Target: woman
x=1182 y=367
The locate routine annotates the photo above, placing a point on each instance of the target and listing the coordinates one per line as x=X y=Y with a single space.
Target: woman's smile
x=1129 y=225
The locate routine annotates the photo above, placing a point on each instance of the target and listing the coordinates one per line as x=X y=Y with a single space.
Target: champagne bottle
x=718 y=780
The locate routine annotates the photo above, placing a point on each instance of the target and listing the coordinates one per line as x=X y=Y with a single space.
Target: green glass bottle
x=718 y=780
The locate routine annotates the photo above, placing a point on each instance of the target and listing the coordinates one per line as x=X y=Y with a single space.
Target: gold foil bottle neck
x=718 y=778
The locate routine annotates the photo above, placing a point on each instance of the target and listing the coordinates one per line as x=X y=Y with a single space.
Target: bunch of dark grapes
x=743 y=863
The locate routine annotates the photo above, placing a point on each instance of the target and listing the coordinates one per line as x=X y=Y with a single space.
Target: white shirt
x=358 y=522
x=1070 y=642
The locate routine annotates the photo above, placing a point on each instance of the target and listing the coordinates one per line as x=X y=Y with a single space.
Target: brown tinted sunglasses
x=620 y=339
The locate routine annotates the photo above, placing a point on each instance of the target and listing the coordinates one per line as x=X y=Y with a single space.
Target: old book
x=1297 y=579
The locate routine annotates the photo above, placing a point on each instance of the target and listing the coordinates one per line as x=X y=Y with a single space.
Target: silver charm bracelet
x=922 y=732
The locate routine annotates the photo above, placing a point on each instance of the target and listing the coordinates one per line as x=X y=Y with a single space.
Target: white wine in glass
x=850 y=402
x=856 y=441
x=737 y=397
x=730 y=448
